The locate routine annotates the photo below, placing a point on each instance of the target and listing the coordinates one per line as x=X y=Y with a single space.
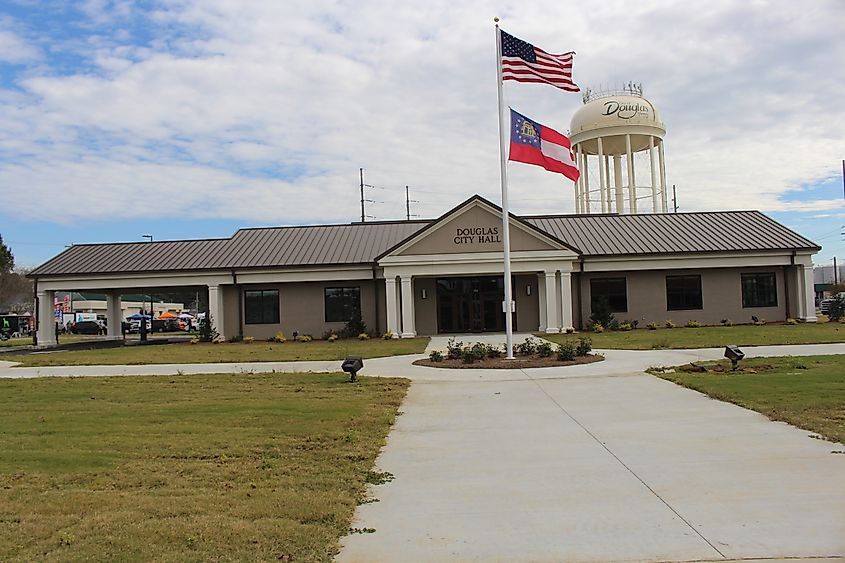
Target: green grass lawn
x=808 y=392
x=714 y=336
x=198 y=468
x=187 y=353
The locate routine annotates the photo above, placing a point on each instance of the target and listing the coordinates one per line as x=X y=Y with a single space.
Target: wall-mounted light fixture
x=424 y=293
x=528 y=290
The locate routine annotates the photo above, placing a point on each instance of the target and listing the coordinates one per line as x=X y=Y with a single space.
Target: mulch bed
x=721 y=368
x=520 y=362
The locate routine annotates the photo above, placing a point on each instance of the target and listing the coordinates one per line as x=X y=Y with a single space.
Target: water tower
x=612 y=126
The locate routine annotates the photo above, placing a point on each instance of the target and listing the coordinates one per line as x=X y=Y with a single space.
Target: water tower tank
x=610 y=127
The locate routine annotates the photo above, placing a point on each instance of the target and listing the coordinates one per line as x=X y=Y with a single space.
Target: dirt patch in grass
x=504 y=363
x=722 y=368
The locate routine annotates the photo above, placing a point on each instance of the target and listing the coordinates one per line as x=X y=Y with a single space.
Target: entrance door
x=470 y=304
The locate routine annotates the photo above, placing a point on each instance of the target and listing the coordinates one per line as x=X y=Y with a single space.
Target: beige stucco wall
x=449 y=238
x=425 y=310
x=721 y=297
x=527 y=306
x=302 y=308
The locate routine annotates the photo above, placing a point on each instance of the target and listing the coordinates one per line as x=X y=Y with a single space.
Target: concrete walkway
x=598 y=462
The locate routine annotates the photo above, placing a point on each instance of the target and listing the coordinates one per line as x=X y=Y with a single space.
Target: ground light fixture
x=734 y=354
x=352 y=365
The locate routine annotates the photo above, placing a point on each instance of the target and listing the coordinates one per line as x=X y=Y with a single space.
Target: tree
x=7 y=260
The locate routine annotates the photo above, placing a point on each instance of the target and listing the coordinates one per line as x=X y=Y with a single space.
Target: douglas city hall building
x=445 y=275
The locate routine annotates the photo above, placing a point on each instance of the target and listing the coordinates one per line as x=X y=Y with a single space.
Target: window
x=612 y=290
x=683 y=292
x=759 y=290
x=342 y=304
x=261 y=307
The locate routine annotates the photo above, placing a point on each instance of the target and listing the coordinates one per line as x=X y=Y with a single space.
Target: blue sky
x=190 y=119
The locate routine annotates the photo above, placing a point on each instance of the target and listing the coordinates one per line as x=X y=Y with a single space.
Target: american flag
x=523 y=62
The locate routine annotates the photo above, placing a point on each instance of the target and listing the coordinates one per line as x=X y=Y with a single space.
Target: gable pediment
x=475 y=227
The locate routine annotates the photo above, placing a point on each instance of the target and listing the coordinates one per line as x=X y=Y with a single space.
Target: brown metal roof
x=665 y=233
x=362 y=243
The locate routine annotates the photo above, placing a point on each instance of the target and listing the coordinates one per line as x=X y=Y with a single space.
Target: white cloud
x=204 y=117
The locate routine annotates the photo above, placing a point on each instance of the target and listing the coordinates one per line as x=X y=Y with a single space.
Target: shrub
x=726 y=322
x=363 y=336
x=354 y=327
x=599 y=328
x=304 y=338
x=387 y=335
x=584 y=347
x=454 y=349
x=280 y=337
x=474 y=353
x=757 y=321
x=207 y=331
x=836 y=309
x=249 y=339
x=494 y=351
x=626 y=326
x=544 y=349
x=651 y=326
x=332 y=338
x=566 y=352
x=669 y=323
x=195 y=340
x=601 y=313
x=693 y=324
x=527 y=348
x=435 y=356
x=570 y=330
x=791 y=322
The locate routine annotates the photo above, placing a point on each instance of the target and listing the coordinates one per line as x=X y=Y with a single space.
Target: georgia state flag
x=533 y=143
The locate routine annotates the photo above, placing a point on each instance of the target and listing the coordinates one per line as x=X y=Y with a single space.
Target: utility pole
x=408 y=202
x=835 y=272
x=361 y=170
x=674 y=199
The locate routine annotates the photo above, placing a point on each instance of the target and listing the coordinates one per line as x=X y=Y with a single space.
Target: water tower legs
x=602 y=186
x=607 y=183
x=663 y=178
x=617 y=179
x=632 y=177
x=653 y=168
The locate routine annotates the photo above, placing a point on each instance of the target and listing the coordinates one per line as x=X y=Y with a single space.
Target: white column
x=541 y=298
x=392 y=306
x=585 y=174
x=114 y=314
x=46 y=333
x=663 y=177
x=552 y=322
x=617 y=180
x=602 y=163
x=216 y=308
x=608 y=184
x=408 y=322
x=632 y=176
x=807 y=295
x=653 y=168
x=566 y=301
x=579 y=183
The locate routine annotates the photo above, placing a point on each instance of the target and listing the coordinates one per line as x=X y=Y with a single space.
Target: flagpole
x=506 y=239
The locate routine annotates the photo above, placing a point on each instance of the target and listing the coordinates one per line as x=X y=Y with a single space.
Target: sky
x=192 y=118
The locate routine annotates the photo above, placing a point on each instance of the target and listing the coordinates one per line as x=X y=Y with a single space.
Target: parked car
x=824 y=306
x=88 y=327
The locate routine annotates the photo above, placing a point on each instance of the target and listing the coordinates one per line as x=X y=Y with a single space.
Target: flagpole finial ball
x=496 y=19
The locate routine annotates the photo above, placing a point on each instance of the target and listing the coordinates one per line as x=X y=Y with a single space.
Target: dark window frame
x=268 y=307
x=614 y=305
x=350 y=304
x=755 y=296
x=681 y=298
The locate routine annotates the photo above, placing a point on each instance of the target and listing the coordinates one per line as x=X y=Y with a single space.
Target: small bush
x=566 y=352
x=363 y=336
x=757 y=321
x=195 y=340
x=651 y=326
x=544 y=349
x=584 y=347
x=601 y=313
x=527 y=348
x=435 y=356
x=693 y=324
x=727 y=322
x=332 y=338
x=570 y=330
x=669 y=323
x=836 y=309
x=280 y=337
x=494 y=351
x=304 y=338
x=454 y=349
x=626 y=326
x=354 y=327
x=791 y=322
x=598 y=328
x=249 y=339
x=387 y=335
